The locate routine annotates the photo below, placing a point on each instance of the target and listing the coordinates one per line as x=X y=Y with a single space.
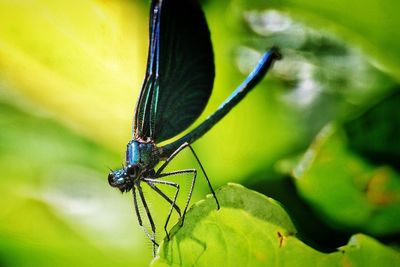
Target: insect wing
x=180 y=72
x=141 y=121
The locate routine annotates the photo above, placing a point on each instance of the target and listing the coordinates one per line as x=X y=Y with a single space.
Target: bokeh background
x=321 y=134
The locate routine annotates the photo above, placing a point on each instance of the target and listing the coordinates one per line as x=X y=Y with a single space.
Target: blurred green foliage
x=70 y=72
x=369 y=196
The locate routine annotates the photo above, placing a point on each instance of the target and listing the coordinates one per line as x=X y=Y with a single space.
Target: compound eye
x=131 y=170
x=111 y=177
x=116 y=178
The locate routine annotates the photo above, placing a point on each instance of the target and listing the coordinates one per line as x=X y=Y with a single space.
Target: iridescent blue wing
x=141 y=120
x=180 y=70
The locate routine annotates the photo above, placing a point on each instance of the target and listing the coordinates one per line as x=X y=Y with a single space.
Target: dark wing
x=180 y=70
x=141 y=122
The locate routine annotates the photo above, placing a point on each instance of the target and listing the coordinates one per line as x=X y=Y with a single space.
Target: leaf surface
x=252 y=230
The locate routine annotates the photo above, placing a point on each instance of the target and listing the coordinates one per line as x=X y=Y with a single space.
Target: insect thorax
x=141 y=153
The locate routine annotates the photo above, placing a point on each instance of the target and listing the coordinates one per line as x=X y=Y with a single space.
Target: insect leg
x=191 y=186
x=170 y=158
x=153 y=227
x=205 y=175
x=150 y=182
x=167 y=198
x=173 y=155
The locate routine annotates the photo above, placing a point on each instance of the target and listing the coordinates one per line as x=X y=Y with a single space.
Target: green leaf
x=252 y=230
x=348 y=190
